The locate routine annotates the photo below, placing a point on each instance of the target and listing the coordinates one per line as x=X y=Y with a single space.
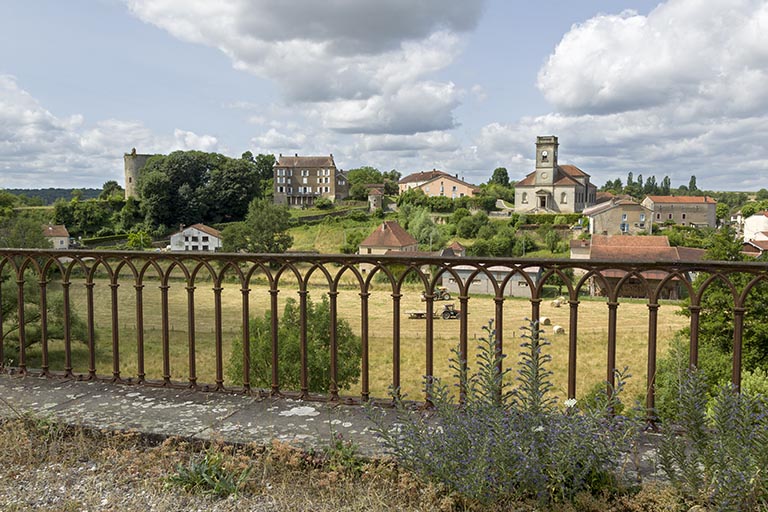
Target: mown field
x=592 y=339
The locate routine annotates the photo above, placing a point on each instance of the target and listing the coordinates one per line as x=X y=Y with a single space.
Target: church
x=553 y=188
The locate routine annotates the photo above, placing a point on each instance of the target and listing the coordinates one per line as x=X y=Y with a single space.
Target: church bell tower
x=546 y=159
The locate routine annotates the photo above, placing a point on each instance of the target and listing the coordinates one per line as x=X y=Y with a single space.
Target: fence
x=59 y=298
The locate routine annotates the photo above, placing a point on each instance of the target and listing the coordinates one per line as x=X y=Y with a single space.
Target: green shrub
x=719 y=460
x=502 y=445
x=289 y=349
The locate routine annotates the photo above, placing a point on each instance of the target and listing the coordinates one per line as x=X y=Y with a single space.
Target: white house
x=756 y=227
x=197 y=237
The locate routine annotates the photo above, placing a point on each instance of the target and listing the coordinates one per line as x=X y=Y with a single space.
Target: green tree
x=289 y=349
x=139 y=240
x=22 y=232
x=231 y=188
x=364 y=175
x=722 y=211
x=762 y=194
x=111 y=189
x=265 y=229
x=500 y=177
x=692 y=185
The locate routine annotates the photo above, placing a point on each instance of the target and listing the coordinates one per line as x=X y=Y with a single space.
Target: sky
x=675 y=88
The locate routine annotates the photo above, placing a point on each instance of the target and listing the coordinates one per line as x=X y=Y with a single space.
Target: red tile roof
x=629 y=241
x=682 y=199
x=55 y=230
x=389 y=234
x=422 y=176
x=305 y=161
x=205 y=229
x=647 y=253
x=572 y=170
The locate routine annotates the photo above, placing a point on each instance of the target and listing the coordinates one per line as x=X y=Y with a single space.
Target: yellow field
x=592 y=342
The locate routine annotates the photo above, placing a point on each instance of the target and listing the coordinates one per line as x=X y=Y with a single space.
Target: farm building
x=517 y=286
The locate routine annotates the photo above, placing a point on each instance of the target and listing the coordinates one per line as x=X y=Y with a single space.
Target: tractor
x=450 y=312
x=440 y=294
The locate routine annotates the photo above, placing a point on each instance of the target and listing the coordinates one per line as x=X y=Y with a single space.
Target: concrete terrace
x=161 y=413
x=195 y=415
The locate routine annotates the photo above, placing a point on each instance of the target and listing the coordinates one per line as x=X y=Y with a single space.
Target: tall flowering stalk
x=503 y=444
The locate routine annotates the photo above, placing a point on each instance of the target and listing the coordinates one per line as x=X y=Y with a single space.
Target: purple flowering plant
x=497 y=442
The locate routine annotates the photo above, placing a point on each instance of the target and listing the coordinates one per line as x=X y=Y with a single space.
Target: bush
x=719 y=461
x=323 y=203
x=289 y=349
x=503 y=445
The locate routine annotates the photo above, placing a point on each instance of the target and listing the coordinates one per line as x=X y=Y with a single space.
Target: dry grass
x=592 y=327
x=47 y=466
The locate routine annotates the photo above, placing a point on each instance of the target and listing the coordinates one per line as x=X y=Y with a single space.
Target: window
x=623 y=216
x=194 y=247
x=304 y=180
x=658 y=216
x=369 y=250
x=194 y=239
x=624 y=227
x=130 y=180
x=563 y=198
x=205 y=239
x=642 y=217
x=670 y=216
x=525 y=197
x=453 y=189
x=280 y=189
x=683 y=216
x=290 y=190
x=186 y=238
x=205 y=247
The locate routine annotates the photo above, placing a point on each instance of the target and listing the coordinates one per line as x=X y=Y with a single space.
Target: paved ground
x=190 y=414
x=232 y=418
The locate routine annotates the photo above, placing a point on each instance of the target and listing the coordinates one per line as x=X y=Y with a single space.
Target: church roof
x=564 y=177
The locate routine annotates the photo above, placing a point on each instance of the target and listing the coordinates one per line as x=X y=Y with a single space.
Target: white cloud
x=677 y=92
x=39 y=149
x=364 y=63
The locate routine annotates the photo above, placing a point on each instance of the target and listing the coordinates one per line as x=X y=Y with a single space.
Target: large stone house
x=197 y=237
x=618 y=217
x=301 y=180
x=553 y=188
x=437 y=183
x=696 y=211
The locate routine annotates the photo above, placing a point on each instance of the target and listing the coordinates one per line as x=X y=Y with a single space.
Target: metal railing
x=28 y=276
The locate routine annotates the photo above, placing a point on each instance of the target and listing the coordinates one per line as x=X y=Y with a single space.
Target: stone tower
x=133 y=164
x=546 y=159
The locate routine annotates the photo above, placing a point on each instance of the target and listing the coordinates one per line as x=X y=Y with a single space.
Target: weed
x=207 y=474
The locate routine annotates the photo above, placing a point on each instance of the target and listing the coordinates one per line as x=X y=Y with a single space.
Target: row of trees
x=186 y=187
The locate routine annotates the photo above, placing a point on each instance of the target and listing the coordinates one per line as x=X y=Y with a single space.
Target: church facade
x=553 y=188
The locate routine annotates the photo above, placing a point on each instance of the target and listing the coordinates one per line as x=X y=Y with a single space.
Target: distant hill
x=50 y=195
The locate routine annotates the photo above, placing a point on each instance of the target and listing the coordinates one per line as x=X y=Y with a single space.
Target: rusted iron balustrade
x=138 y=269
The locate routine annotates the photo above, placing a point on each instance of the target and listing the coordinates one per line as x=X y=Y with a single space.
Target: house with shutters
x=197 y=237
x=618 y=216
x=437 y=183
x=301 y=180
x=553 y=188
x=696 y=211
